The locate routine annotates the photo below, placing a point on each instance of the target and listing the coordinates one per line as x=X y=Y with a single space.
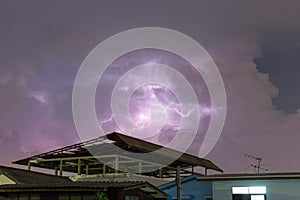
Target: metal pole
x=140 y=167
x=117 y=164
x=104 y=169
x=55 y=170
x=61 y=168
x=160 y=172
x=79 y=167
x=87 y=169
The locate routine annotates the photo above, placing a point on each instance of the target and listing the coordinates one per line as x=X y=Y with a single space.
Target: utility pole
x=178 y=183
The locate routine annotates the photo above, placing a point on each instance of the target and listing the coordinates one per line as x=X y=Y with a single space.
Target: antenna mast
x=258 y=165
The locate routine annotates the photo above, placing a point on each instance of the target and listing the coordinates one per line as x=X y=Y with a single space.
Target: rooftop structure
x=78 y=159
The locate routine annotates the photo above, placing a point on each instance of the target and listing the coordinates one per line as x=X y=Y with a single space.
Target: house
x=19 y=184
x=267 y=186
x=113 y=159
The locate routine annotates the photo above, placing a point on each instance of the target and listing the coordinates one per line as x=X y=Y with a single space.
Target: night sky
x=255 y=45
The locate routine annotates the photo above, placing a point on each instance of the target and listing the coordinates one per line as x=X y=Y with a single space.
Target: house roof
x=138 y=145
x=220 y=177
x=121 y=177
x=101 y=146
x=20 y=176
x=28 y=181
x=145 y=187
x=70 y=186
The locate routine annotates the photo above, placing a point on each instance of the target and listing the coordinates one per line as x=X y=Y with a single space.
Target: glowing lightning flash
x=156 y=99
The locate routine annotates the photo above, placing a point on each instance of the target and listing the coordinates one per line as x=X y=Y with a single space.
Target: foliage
x=100 y=196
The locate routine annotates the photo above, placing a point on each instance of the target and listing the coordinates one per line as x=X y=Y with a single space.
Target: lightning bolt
x=174 y=107
x=102 y=122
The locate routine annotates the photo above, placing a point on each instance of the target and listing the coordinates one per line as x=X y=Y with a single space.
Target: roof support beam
x=160 y=172
x=55 y=170
x=140 y=167
x=29 y=166
x=61 y=167
x=117 y=163
x=79 y=167
x=87 y=169
x=104 y=169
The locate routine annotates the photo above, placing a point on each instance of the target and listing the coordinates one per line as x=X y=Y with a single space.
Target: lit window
x=249 y=190
x=257 y=190
x=240 y=190
x=257 y=197
x=249 y=193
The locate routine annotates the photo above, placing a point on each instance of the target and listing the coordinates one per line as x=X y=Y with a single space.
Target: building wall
x=282 y=189
x=190 y=189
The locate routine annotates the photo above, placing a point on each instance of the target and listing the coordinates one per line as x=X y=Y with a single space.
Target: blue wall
x=283 y=189
x=190 y=188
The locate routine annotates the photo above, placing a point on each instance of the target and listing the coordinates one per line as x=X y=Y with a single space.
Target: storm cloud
x=254 y=44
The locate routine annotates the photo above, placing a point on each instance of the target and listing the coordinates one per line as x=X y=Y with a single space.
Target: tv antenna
x=258 y=166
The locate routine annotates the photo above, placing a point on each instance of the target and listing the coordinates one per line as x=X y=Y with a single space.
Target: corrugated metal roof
x=119 y=178
x=125 y=142
x=165 y=152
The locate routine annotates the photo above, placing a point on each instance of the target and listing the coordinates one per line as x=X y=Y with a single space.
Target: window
x=249 y=193
x=129 y=197
x=208 y=198
x=240 y=190
x=258 y=197
x=257 y=190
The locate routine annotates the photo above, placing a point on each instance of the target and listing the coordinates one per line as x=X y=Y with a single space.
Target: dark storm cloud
x=281 y=60
x=44 y=43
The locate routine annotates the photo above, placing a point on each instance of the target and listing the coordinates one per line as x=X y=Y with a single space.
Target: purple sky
x=254 y=44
